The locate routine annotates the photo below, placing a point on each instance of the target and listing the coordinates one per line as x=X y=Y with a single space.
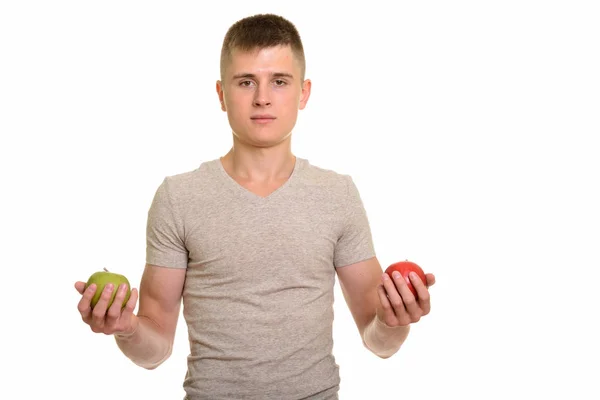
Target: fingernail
x=414 y=275
x=396 y=274
x=386 y=277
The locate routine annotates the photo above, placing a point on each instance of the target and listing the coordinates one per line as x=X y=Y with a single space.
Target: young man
x=252 y=242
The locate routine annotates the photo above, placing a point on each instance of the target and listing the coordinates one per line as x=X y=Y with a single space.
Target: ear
x=219 y=88
x=306 y=85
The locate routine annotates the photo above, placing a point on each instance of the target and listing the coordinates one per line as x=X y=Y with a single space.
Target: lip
x=262 y=118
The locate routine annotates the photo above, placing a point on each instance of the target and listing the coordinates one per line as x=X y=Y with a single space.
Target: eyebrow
x=274 y=75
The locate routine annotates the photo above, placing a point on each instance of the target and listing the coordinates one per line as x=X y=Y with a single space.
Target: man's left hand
x=399 y=307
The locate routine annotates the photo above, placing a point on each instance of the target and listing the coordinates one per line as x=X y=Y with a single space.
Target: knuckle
x=410 y=302
x=396 y=303
x=98 y=320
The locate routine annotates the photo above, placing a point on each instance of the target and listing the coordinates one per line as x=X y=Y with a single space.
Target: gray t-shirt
x=258 y=295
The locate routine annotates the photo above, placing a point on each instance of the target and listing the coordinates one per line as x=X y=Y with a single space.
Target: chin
x=263 y=139
x=265 y=143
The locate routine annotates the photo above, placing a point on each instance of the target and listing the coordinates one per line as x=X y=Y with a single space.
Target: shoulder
x=332 y=180
x=188 y=182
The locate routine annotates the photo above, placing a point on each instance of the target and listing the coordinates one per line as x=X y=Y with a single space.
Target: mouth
x=262 y=119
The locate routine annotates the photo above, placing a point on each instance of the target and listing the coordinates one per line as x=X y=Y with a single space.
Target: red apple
x=405 y=267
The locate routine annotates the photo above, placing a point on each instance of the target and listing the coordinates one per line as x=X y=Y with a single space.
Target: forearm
x=146 y=346
x=383 y=340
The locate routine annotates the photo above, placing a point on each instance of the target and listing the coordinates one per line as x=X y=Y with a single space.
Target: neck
x=259 y=164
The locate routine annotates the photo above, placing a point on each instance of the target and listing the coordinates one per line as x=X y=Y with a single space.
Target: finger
x=391 y=288
x=130 y=306
x=84 y=306
x=114 y=311
x=389 y=316
x=80 y=286
x=408 y=298
x=418 y=284
x=99 y=311
x=430 y=279
x=422 y=293
x=126 y=321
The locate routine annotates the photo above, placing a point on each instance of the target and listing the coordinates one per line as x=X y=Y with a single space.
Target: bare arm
x=379 y=306
x=153 y=329
x=145 y=338
x=359 y=283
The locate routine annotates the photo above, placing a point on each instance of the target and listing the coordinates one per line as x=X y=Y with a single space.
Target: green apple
x=101 y=279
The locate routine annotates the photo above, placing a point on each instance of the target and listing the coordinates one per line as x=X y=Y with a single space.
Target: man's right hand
x=113 y=320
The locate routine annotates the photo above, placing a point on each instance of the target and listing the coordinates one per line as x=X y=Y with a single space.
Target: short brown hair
x=262 y=31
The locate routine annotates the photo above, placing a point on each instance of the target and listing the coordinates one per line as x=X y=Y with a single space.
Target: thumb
x=430 y=279
x=80 y=286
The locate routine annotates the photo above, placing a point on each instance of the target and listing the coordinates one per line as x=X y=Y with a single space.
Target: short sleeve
x=355 y=242
x=165 y=244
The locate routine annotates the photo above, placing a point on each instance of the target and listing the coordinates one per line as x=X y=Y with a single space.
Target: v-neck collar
x=248 y=194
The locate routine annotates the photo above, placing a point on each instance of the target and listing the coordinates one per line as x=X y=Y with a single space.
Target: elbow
x=157 y=364
x=384 y=355
x=151 y=367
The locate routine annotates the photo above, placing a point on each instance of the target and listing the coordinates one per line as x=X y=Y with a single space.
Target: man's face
x=262 y=92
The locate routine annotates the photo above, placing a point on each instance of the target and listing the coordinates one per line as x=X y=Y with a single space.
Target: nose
x=262 y=96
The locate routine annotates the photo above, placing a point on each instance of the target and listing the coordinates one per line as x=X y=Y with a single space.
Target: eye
x=246 y=83
x=280 y=82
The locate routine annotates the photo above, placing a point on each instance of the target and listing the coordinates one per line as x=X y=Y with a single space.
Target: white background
x=470 y=127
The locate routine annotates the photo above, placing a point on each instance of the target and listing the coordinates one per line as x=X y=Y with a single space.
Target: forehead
x=269 y=59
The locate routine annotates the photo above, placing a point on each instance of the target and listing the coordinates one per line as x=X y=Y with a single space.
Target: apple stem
x=105 y=269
